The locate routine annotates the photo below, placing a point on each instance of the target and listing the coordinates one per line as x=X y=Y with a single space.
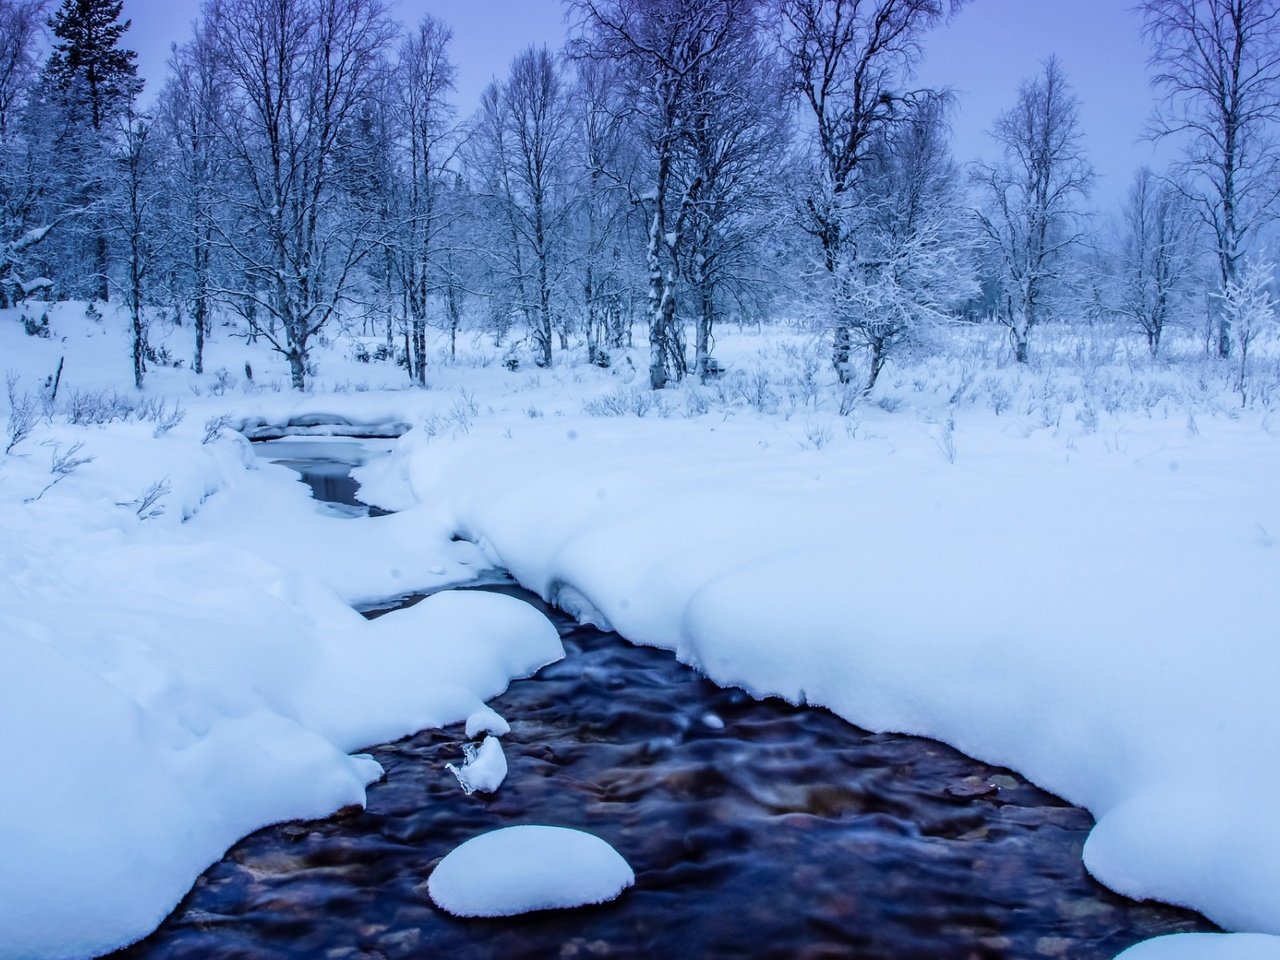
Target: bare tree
x=298 y=71
x=21 y=23
x=491 y=155
x=849 y=61
x=603 y=167
x=424 y=79
x=1157 y=256
x=913 y=262
x=23 y=222
x=733 y=149
x=538 y=114
x=1030 y=221
x=1217 y=63
x=189 y=109
x=662 y=47
x=130 y=216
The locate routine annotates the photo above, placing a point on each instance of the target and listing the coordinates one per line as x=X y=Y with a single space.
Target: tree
x=661 y=47
x=19 y=33
x=22 y=178
x=1030 y=221
x=848 y=61
x=190 y=108
x=130 y=218
x=1157 y=255
x=538 y=112
x=732 y=149
x=95 y=82
x=1217 y=64
x=298 y=72
x=1250 y=305
x=603 y=207
x=912 y=262
x=423 y=80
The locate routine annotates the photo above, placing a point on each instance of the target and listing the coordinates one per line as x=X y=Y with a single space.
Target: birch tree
x=1157 y=256
x=538 y=192
x=424 y=79
x=1031 y=221
x=913 y=262
x=1217 y=66
x=189 y=116
x=298 y=71
x=661 y=46
x=732 y=149
x=849 y=62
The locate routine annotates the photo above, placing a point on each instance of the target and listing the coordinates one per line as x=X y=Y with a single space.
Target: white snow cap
x=521 y=869
x=487 y=720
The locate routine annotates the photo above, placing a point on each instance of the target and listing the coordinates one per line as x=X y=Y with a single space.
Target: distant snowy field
x=1071 y=569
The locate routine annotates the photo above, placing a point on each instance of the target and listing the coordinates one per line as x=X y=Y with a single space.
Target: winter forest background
x=676 y=167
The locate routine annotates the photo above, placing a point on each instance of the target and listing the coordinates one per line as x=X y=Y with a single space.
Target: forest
x=304 y=173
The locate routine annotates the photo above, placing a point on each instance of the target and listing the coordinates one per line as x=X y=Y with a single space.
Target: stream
x=755 y=828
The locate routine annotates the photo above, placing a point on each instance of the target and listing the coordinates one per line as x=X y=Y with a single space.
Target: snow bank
x=521 y=869
x=1099 y=614
x=165 y=689
x=1205 y=946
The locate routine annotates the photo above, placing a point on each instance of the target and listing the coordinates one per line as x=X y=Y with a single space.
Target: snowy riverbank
x=1071 y=573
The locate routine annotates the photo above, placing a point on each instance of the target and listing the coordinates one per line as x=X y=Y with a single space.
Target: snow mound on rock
x=526 y=868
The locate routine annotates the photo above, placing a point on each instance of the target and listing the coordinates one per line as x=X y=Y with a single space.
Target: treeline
x=679 y=162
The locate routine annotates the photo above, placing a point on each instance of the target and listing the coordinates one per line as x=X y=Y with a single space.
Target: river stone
x=526 y=868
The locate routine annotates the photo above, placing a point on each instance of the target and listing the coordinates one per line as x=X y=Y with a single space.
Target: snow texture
x=526 y=868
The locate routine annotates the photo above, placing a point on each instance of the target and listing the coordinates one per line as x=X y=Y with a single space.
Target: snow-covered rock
x=486 y=720
x=485 y=768
x=526 y=868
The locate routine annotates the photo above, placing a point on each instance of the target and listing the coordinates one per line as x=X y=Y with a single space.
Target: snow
x=167 y=689
x=485 y=768
x=525 y=868
x=1205 y=946
x=1069 y=570
x=486 y=720
x=1046 y=608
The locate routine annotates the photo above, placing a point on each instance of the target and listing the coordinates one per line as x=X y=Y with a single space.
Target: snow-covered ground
x=1069 y=569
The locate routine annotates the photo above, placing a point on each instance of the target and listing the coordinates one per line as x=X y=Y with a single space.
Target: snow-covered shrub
x=22 y=413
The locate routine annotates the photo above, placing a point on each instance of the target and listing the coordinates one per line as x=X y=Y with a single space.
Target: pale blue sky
x=982 y=54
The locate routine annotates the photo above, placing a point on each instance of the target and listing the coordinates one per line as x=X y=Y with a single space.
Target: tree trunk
x=878 y=356
x=1019 y=339
x=100 y=264
x=419 y=364
x=297 y=369
x=702 y=347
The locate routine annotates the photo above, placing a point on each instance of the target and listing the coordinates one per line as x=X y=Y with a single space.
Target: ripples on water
x=755 y=829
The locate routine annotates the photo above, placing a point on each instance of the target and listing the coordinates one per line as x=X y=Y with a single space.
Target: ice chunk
x=486 y=720
x=485 y=768
x=521 y=869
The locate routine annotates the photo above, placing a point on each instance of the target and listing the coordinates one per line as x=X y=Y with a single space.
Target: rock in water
x=485 y=768
x=521 y=869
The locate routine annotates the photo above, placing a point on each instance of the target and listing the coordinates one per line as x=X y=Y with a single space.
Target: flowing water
x=756 y=829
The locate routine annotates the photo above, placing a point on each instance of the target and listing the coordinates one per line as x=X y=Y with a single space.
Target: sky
x=983 y=54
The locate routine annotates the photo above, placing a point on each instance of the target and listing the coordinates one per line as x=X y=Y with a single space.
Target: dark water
x=324 y=464
x=755 y=829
